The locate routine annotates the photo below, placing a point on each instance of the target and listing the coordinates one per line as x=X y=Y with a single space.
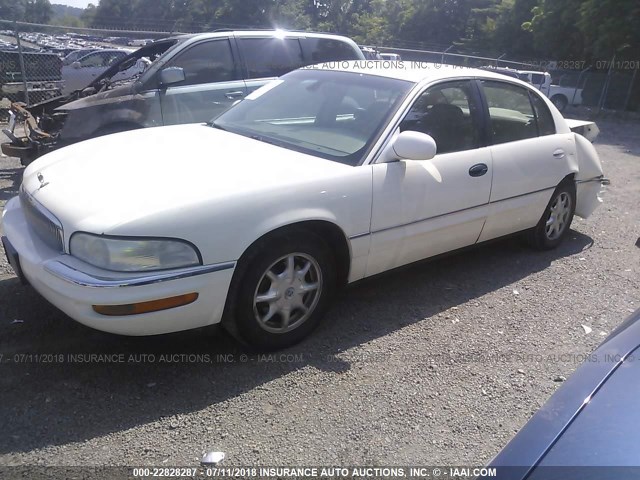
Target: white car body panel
x=525 y=174
x=222 y=191
x=76 y=301
x=230 y=191
x=413 y=206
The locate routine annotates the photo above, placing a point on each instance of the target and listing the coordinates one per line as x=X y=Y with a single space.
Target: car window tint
x=537 y=79
x=546 y=125
x=93 y=60
x=328 y=50
x=112 y=58
x=101 y=59
x=512 y=117
x=271 y=57
x=206 y=62
x=447 y=112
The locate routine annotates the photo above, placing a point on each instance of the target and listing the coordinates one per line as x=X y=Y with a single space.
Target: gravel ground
x=436 y=364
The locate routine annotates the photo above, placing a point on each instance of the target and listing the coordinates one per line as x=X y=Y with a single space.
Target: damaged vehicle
x=191 y=79
x=323 y=177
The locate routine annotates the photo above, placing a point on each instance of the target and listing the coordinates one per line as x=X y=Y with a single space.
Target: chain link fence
x=608 y=85
x=41 y=62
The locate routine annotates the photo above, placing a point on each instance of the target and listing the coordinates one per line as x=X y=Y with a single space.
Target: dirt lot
x=440 y=363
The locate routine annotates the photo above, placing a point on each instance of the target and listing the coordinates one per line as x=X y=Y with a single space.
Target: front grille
x=44 y=227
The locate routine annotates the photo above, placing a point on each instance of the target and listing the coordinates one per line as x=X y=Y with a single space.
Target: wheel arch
x=326 y=230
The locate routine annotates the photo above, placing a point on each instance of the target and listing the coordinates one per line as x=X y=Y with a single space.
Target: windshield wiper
x=215 y=125
x=268 y=140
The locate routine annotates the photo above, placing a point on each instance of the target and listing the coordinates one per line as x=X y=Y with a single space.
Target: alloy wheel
x=287 y=293
x=560 y=211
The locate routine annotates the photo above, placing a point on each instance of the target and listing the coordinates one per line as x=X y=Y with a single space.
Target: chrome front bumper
x=76 y=277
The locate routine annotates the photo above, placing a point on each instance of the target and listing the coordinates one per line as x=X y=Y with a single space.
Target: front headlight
x=133 y=254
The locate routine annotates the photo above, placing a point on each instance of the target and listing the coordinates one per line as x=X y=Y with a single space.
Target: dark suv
x=191 y=78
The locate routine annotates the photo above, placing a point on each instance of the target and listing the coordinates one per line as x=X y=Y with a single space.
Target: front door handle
x=478 y=170
x=234 y=95
x=559 y=153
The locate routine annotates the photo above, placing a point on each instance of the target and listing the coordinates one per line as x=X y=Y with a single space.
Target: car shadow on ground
x=53 y=393
x=14 y=176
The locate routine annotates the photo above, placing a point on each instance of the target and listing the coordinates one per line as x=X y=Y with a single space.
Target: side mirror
x=76 y=65
x=171 y=75
x=410 y=145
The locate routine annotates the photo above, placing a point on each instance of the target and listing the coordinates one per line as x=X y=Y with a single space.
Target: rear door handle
x=232 y=95
x=478 y=170
x=559 y=153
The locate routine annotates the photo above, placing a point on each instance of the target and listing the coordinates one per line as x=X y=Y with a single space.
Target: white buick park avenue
x=318 y=179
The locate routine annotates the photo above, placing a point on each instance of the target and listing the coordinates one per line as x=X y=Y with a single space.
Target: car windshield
x=329 y=114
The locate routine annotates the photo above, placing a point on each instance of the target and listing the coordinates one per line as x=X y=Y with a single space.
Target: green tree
x=89 y=14
x=68 y=21
x=12 y=9
x=115 y=14
x=509 y=34
x=610 y=27
x=37 y=11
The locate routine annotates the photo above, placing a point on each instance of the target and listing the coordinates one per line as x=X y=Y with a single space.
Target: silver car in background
x=80 y=73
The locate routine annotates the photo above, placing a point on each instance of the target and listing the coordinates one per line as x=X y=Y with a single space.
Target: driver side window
x=448 y=113
x=206 y=62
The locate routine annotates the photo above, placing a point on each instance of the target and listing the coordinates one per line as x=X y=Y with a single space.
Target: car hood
x=100 y=98
x=100 y=184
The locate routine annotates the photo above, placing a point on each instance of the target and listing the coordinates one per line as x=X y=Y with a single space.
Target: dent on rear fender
x=587 y=198
x=589 y=168
x=589 y=165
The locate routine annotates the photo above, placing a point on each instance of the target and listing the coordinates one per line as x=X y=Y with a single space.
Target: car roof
x=256 y=33
x=416 y=72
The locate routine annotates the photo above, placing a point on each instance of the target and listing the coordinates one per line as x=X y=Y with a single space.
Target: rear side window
x=271 y=57
x=330 y=50
x=511 y=113
x=206 y=62
x=101 y=59
x=546 y=125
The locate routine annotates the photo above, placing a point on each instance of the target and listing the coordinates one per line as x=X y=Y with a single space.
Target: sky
x=75 y=3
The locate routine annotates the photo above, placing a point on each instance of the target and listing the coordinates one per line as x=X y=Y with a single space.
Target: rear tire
x=560 y=101
x=555 y=223
x=284 y=291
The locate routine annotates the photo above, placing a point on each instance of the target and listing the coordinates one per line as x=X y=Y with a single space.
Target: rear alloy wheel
x=285 y=291
x=556 y=220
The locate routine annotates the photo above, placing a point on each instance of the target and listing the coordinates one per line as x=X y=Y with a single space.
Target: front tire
x=560 y=101
x=284 y=292
x=555 y=223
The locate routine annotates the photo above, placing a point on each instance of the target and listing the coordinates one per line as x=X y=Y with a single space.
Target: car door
x=212 y=83
x=424 y=208
x=267 y=58
x=529 y=158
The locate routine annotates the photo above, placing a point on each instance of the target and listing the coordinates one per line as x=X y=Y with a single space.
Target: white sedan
x=318 y=179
